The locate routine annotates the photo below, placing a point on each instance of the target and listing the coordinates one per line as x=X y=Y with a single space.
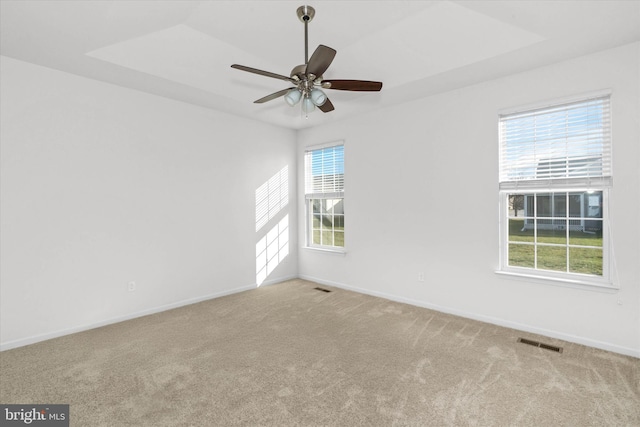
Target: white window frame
x=566 y=277
x=601 y=183
x=321 y=194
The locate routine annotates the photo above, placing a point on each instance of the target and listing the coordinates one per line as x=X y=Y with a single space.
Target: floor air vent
x=541 y=345
x=322 y=289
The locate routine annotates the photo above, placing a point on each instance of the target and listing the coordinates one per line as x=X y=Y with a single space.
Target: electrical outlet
x=131 y=287
x=421 y=277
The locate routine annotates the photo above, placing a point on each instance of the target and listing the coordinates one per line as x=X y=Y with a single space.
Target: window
x=555 y=176
x=324 y=196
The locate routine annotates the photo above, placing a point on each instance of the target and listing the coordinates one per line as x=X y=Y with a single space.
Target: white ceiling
x=183 y=49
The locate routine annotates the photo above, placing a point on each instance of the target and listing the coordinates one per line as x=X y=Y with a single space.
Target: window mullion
x=567 y=228
x=535 y=230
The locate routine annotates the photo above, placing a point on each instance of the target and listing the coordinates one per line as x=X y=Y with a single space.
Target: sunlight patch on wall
x=272 y=197
x=272 y=249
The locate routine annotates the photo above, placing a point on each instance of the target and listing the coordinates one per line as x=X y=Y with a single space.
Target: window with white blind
x=324 y=196
x=555 y=176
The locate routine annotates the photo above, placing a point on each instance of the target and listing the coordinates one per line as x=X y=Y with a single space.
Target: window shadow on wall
x=273 y=246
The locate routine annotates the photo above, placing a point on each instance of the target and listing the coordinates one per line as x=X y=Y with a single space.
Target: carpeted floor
x=288 y=354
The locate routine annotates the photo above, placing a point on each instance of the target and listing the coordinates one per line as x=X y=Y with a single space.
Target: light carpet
x=289 y=354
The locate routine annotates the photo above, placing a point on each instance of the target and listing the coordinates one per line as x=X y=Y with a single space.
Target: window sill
x=336 y=251
x=576 y=283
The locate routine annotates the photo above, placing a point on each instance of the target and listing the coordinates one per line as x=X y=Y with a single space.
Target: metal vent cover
x=540 y=345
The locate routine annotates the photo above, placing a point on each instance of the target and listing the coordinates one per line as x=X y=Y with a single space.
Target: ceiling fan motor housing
x=299 y=72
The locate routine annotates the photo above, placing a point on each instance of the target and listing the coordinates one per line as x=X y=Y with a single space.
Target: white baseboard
x=43 y=337
x=278 y=280
x=496 y=321
x=487 y=319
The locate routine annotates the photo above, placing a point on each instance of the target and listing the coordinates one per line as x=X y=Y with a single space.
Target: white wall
x=421 y=188
x=102 y=185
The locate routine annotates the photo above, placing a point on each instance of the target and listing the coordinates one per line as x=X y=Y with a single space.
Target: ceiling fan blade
x=274 y=95
x=261 y=72
x=320 y=60
x=326 y=107
x=354 y=85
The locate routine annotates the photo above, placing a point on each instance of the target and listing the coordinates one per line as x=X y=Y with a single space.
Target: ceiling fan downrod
x=306 y=14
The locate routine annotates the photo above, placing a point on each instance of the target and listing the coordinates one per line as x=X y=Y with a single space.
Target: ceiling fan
x=307 y=78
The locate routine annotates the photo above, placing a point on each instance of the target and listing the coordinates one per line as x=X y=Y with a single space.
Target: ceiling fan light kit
x=307 y=78
x=318 y=97
x=307 y=105
x=293 y=96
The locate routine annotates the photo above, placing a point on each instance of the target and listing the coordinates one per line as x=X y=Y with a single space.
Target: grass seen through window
x=327 y=222
x=547 y=249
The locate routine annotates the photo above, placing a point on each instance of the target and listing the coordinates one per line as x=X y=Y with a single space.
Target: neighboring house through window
x=324 y=196
x=555 y=176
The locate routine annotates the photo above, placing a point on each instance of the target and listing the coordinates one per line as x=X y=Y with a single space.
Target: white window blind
x=565 y=142
x=324 y=172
